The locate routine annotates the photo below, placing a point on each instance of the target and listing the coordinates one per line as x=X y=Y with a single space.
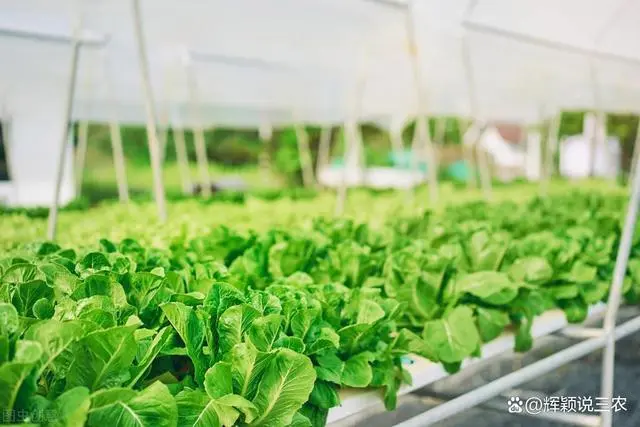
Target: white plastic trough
x=425 y=372
x=374 y=177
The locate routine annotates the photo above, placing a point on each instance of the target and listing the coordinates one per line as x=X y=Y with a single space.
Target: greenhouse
x=220 y=213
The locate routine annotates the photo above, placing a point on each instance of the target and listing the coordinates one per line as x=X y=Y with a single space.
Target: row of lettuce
x=264 y=329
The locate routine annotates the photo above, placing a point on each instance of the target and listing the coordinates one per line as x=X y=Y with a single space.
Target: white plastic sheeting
x=281 y=61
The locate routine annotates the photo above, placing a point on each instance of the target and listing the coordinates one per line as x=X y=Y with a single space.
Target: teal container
x=459 y=171
x=404 y=160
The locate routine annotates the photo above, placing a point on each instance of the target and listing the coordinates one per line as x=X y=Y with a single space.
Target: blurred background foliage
x=240 y=150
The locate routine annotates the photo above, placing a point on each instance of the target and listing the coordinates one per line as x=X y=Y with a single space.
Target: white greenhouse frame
x=424 y=372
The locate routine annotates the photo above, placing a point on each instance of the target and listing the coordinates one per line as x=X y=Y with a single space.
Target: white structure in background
x=533 y=156
x=508 y=160
x=575 y=153
x=32 y=182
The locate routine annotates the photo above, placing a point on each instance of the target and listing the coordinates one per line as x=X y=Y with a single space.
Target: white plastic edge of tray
x=424 y=372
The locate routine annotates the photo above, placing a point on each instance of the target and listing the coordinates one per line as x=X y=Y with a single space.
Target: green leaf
x=43 y=309
x=594 y=292
x=285 y=385
x=491 y=323
x=217 y=380
x=490 y=286
x=329 y=367
x=14 y=374
x=324 y=395
x=357 y=371
x=153 y=407
x=93 y=262
x=28 y=293
x=576 y=310
x=160 y=340
x=247 y=368
x=300 y=420
x=56 y=339
x=233 y=324
x=9 y=321
x=103 y=358
x=292 y=343
x=191 y=330
x=531 y=269
x=264 y=331
x=369 y=312
x=454 y=337
x=71 y=408
x=196 y=409
x=327 y=339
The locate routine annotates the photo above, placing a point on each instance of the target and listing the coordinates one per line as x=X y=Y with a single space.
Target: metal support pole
x=422 y=123
x=636 y=153
x=595 y=138
x=152 y=131
x=163 y=132
x=396 y=140
x=350 y=131
x=198 y=131
x=523 y=375
x=441 y=130
x=118 y=162
x=483 y=166
x=183 y=159
x=485 y=174
x=265 y=133
x=304 y=153
x=468 y=153
x=615 y=295
x=349 y=152
x=71 y=88
x=324 y=149
x=81 y=154
x=116 y=140
x=550 y=150
x=4 y=124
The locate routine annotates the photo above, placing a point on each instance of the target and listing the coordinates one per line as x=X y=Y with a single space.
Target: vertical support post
x=485 y=174
x=304 y=153
x=549 y=167
x=324 y=149
x=265 y=133
x=118 y=161
x=182 y=157
x=349 y=151
x=73 y=74
x=441 y=130
x=198 y=131
x=152 y=131
x=615 y=295
x=483 y=166
x=468 y=152
x=395 y=135
x=81 y=154
x=4 y=124
x=422 y=124
x=116 y=140
x=350 y=132
x=636 y=153
x=595 y=137
x=163 y=132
